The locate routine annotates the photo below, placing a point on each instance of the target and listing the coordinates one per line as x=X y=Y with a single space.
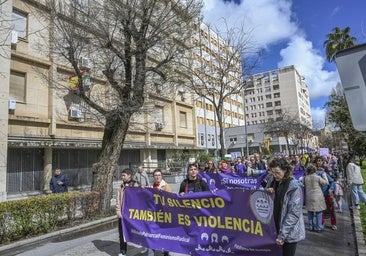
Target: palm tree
x=340 y=39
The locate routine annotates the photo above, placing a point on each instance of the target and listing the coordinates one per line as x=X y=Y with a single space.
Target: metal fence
x=25 y=167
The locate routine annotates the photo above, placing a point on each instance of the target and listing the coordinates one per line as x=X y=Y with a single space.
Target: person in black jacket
x=193 y=183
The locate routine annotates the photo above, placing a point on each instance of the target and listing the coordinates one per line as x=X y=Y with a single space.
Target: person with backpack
x=193 y=183
x=327 y=192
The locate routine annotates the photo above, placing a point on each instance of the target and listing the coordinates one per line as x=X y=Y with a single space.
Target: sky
x=292 y=32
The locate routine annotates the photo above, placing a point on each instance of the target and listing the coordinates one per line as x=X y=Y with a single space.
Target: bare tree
x=5 y=28
x=217 y=68
x=127 y=42
x=300 y=135
x=285 y=125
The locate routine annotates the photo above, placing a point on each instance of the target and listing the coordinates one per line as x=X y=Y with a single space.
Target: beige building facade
x=277 y=92
x=268 y=96
x=43 y=127
x=216 y=56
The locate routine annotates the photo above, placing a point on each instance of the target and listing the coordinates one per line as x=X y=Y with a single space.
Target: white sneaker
x=334 y=227
x=144 y=250
x=121 y=254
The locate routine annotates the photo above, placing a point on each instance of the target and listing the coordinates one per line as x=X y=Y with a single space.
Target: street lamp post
x=245 y=124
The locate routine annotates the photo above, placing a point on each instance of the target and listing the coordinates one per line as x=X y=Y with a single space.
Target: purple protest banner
x=230 y=181
x=226 y=222
x=299 y=174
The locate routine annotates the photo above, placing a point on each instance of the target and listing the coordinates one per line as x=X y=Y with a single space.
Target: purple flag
x=226 y=222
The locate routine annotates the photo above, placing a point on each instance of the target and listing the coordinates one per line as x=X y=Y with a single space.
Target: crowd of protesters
x=318 y=187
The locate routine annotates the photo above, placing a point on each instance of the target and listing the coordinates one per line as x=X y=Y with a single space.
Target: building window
x=20 y=23
x=183 y=119
x=213 y=139
x=17 y=86
x=159 y=114
x=202 y=139
x=268 y=96
x=267 y=89
x=233 y=140
x=278 y=103
x=276 y=95
x=250 y=137
x=278 y=111
x=269 y=104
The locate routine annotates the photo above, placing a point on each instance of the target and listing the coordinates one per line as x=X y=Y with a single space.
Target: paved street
x=103 y=243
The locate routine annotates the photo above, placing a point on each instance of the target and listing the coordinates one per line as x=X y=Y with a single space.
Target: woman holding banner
x=288 y=202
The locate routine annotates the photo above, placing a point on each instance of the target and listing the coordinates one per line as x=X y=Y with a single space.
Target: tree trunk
x=105 y=168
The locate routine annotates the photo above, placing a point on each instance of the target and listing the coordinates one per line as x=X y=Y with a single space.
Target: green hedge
x=29 y=217
x=363 y=209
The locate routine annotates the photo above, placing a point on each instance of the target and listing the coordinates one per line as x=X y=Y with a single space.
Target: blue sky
x=292 y=32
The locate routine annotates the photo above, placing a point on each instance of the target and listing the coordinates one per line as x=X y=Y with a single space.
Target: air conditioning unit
x=14 y=37
x=75 y=113
x=159 y=126
x=84 y=63
x=86 y=82
x=181 y=88
x=12 y=104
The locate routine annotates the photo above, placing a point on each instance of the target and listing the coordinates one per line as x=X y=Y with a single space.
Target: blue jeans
x=357 y=194
x=318 y=217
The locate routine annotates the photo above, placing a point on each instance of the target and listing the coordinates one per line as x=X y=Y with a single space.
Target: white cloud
x=272 y=22
x=268 y=20
x=318 y=116
x=309 y=63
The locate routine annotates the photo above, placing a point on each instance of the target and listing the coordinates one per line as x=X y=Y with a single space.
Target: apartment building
x=268 y=96
x=211 y=54
x=277 y=92
x=43 y=128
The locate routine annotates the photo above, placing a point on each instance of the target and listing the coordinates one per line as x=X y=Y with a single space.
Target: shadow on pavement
x=107 y=246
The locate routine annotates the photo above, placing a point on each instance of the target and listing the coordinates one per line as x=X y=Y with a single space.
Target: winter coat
x=142 y=178
x=338 y=189
x=354 y=174
x=189 y=186
x=163 y=186
x=292 y=227
x=314 y=198
x=54 y=183
x=330 y=186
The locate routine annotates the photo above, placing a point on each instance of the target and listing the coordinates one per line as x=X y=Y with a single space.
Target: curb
x=360 y=241
x=64 y=234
